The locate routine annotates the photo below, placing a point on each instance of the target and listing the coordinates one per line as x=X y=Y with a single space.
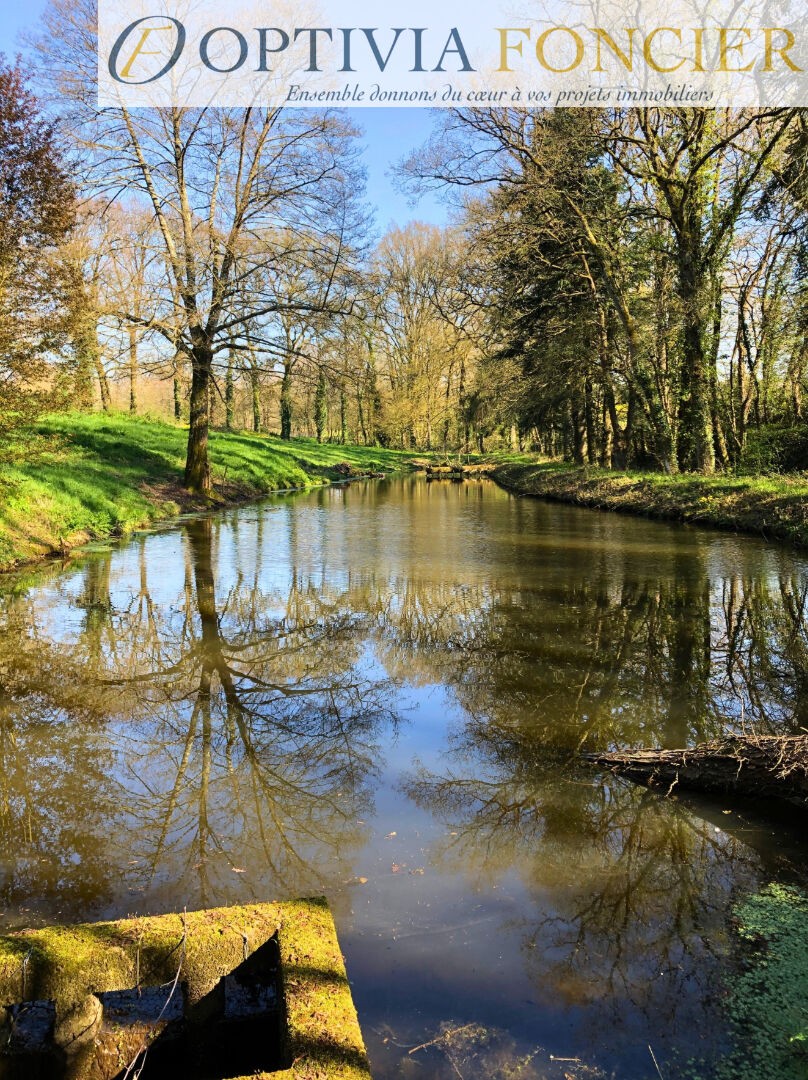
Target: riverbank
x=774 y=507
x=95 y=476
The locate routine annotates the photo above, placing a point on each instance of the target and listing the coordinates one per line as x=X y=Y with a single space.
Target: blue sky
x=390 y=133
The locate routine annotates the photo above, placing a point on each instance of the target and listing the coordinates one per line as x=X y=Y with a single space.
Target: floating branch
x=757 y=766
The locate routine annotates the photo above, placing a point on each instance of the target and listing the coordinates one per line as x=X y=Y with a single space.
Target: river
x=380 y=692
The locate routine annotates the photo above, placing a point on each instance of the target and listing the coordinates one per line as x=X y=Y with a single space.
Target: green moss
x=67 y=964
x=769 y=506
x=323 y=1030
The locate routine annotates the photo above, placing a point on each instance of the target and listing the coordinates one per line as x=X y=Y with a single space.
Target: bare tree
x=232 y=192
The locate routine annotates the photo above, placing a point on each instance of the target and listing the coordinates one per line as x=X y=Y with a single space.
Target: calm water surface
x=379 y=692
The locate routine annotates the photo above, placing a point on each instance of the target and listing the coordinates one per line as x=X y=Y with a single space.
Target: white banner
x=452 y=54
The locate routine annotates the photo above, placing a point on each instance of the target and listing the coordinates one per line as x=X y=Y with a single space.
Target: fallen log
x=755 y=766
x=459 y=472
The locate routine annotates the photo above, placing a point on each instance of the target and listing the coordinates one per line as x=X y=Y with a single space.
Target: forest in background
x=623 y=288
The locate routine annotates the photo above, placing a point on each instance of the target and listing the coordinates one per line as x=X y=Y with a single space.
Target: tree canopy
x=37 y=207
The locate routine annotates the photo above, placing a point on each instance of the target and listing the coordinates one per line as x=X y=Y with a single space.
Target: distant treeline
x=621 y=287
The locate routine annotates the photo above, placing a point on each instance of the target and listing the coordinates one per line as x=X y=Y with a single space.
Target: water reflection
x=626 y=896
x=239 y=739
x=608 y=661
x=235 y=709
x=260 y=751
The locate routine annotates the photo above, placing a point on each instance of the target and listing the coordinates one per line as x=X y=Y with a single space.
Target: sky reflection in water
x=380 y=692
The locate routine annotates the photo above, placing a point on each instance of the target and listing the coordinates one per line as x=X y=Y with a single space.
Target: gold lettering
x=724 y=47
x=504 y=44
x=140 y=51
x=649 y=57
x=698 y=60
x=603 y=36
x=579 y=49
x=770 y=50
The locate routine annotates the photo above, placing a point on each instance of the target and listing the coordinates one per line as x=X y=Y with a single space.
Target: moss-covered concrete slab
x=79 y=967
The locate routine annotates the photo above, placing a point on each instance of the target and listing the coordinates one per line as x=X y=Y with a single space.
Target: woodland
x=622 y=288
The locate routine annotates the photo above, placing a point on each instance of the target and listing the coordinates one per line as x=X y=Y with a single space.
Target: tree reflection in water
x=242 y=741
x=208 y=714
x=261 y=738
x=627 y=895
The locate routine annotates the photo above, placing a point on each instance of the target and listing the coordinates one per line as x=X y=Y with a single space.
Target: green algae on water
x=767 y=999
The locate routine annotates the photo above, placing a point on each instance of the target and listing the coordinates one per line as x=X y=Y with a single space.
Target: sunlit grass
x=771 y=506
x=97 y=475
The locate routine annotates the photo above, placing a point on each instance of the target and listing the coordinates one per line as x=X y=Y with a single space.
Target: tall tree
x=321 y=405
x=420 y=341
x=233 y=193
x=703 y=165
x=655 y=252
x=37 y=207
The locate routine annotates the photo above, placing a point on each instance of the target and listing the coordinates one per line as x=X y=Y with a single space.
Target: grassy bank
x=768 y=506
x=97 y=476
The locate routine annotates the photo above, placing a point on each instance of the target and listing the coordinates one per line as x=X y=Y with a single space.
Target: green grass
x=770 y=506
x=99 y=475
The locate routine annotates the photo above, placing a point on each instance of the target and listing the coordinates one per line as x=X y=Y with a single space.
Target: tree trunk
x=255 y=391
x=321 y=406
x=607 y=443
x=764 y=766
x=132 y=370
x=447 y=422
x=177 y=398
x=577 y=430
x=462 y=406
x=197 y=465
x=88 y=357
x=589 y=416
x=695 y=426
x=361 y=413
x=229 y=393
x=613 y=435
x=720 y=450
x=286 y=405
x=103 y=384
x=88 y=354
x=622 y=457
